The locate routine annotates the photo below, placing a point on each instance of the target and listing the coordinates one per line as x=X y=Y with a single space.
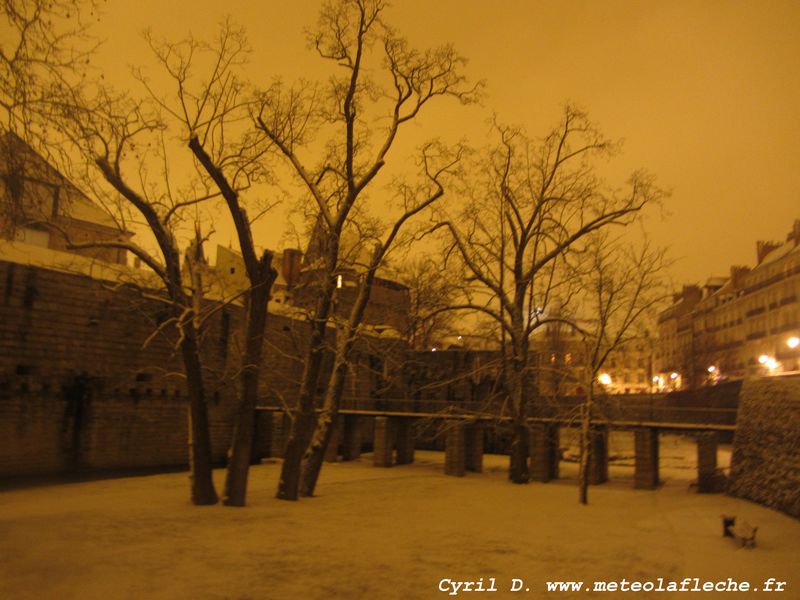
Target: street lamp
x=604 y=378
x=793 y=342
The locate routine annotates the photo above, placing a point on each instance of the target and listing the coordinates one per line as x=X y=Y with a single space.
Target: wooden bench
x=743 y=532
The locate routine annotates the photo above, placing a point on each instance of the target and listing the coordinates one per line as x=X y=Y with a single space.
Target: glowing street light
x=772 y=364
x=604 y=378
x=793 y=342
x=712 y=369
x=763 y=359
x=673 y=375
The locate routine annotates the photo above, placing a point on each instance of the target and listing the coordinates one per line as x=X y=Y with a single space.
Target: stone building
x=746 y=324
x=90 y=375
x=43 y=208
x=561 y=365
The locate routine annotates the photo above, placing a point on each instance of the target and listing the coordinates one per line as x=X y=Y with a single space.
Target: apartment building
x=743 y=325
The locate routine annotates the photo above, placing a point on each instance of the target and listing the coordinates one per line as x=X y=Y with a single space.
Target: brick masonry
x=80 y=389
x=645 y=475
x=765 y=466
x=455 y=449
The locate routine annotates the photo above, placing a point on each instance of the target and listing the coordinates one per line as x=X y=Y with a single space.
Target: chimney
x=737 y=276
x=292 y=259
x=690 y=294
x=763 y=248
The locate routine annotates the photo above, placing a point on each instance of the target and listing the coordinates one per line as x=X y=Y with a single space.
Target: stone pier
x=598 y=455
x=545 y=451
x=281 y=425
x=262 y=436
x=385 y=434
x=455 y=449
x=332 y=451
x=707 y=479
x=404 y=440
x=473 y=458
x=645 y=475
x=351 y=437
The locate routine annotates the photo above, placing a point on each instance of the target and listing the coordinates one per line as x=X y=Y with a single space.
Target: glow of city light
x=433 y=349
x=673 y=375
x=338 y=281
x=604 y=378
x=655 y=379
x=712 y=369
x=793 y=342
x=772 y=364
x=763 y=359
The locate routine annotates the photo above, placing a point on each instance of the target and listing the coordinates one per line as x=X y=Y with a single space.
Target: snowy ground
x=383 y=533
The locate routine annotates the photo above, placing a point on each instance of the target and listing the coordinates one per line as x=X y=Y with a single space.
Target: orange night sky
x=704 y=92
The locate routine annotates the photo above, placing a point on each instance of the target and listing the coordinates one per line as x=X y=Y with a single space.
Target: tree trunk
x=299 y=439
x=315 y=455
x=585 y=446
x=240 y=451
x=322 y=436
x=518 y=470
x=333 y=395
x=200 y=457
x=304 y=420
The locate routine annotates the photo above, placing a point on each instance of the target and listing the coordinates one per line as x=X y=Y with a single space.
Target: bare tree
x=45 y=48
x=432 y=294
x=114 y=134
x=414 y=201
x=211 y=105
x=528 y=207
x=352 y=123
x=623 y=287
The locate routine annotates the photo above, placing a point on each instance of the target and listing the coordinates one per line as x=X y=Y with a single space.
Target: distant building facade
x=746 y=324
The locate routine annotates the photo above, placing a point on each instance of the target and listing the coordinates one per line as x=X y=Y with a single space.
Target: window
x=34 y=237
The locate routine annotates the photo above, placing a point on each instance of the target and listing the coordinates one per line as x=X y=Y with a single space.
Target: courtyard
x=403 y=532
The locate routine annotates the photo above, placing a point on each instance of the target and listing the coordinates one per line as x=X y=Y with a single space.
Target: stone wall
x=765 y=466
x=80 y=389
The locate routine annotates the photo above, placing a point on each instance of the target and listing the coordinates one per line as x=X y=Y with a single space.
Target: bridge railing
x=639 y=409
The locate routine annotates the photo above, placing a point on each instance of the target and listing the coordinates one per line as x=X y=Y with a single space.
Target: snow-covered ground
x=384 y=533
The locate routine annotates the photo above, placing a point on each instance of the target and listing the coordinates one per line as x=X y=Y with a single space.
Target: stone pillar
x=473 y=459
x=281 y=425
x=351 y=437
x=545 y=453
x=554 y=438
x=598 y=455
x=455 y=449
x=262 y=436
x=404 y=454
x=383 y=454
x=707 y=462
x=645 y=475
x=332 y=451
